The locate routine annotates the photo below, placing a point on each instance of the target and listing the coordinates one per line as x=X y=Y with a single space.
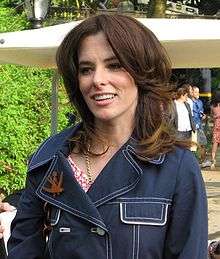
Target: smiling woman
x=107 y=88
x=117 y=185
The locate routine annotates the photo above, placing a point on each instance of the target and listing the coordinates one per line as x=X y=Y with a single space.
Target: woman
x=183 y=119
x=215 y=113
x=115 y=186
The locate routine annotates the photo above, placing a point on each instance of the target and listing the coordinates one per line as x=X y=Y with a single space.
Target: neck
x=180 y=100
x=116 y=133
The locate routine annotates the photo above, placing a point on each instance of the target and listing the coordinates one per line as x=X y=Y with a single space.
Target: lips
x=103 y=97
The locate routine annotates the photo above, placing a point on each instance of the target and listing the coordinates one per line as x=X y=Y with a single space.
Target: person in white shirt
x=183 y=116
x=189 y=95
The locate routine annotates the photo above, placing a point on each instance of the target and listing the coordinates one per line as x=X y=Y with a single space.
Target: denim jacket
x=133 y=210
x=198 y=112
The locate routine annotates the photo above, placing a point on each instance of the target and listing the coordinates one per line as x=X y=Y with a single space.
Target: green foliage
x=11 y=21
x=25 y=113
x=215 y=79
x=151 y=7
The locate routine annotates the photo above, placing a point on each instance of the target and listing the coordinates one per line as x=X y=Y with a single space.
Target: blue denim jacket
x=134 y=209
x=198 y=112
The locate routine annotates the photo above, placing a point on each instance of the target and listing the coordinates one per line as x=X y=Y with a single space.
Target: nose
x=100 y=77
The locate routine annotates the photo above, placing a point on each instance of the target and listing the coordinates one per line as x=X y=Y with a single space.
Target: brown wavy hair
x=181 y=91
x=142 y=55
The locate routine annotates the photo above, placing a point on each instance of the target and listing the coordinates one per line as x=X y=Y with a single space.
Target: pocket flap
x=144 y=212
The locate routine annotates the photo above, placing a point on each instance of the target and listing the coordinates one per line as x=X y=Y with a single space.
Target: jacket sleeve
x=26 y=240
x=188 y=228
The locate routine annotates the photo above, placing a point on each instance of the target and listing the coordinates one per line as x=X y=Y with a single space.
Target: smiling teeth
x=104 y=97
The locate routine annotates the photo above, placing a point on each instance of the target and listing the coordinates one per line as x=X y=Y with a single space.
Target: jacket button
x=99 y=231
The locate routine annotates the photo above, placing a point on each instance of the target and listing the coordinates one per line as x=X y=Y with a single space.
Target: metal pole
x=54 y=102
x=206 y=74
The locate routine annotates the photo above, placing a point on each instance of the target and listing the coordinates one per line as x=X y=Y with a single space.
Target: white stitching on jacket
x=138 y=240
x=123 y=218
x=134 y=237
x=134 y=165
x=126 y=217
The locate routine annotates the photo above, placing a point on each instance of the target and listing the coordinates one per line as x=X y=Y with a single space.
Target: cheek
x=133 y=90
x=125 y=84
x=84 y=87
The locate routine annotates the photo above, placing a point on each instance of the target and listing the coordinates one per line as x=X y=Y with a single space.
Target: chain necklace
x=88 y=169
x=89 y=173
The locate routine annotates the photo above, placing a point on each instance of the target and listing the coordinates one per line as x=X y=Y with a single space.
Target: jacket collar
x=63 y=191
x=61 y=142
x=157 y=160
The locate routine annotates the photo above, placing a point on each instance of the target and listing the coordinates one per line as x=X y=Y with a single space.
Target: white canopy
x=190 y=43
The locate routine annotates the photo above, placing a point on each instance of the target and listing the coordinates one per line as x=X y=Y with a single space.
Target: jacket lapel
x=119 y=176
x=61 y=189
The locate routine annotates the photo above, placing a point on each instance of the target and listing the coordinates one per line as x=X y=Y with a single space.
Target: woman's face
x=107 y=88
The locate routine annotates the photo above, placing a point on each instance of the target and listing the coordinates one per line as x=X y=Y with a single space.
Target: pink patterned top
x=216 y=126
x=80 y=176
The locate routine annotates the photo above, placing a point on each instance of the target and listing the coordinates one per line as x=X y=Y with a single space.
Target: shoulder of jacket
x=187 y=162
x=178 y=154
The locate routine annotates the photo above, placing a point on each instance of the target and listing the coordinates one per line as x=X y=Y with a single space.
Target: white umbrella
x=190 y=43
x=33 y=47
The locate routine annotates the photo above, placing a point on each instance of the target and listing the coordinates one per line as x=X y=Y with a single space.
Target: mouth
x=103 y=97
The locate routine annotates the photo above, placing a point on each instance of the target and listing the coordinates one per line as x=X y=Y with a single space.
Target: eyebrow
x=106 y=60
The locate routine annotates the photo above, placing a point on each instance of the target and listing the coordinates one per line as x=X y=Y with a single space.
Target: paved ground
x=212 y=182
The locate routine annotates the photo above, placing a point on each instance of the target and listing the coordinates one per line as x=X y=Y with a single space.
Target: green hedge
x=25 y=107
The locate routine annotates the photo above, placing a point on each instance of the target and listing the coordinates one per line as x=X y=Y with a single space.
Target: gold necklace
x=88 y=169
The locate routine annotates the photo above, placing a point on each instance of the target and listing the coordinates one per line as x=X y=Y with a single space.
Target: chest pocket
x=144 y=211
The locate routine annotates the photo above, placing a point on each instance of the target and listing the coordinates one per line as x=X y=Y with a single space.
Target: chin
x=103 y=117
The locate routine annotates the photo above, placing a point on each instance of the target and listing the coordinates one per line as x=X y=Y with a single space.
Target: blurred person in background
x=214 y=250
x=189 y=95
x=215 y=114
x=190 y=102
x=198 y=117
x=183 y=116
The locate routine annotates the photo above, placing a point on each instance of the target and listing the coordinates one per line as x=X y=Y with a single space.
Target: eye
x=115 y=66
x=85 y=70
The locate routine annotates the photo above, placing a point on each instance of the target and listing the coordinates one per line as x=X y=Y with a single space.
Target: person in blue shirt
x=198 y=117
x=198 y=110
